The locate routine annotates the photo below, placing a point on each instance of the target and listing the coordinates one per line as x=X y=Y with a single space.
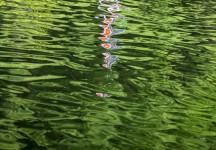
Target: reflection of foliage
x=163 y=87
x=177 y=85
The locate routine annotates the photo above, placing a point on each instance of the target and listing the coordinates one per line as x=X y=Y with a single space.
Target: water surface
x=163 y=86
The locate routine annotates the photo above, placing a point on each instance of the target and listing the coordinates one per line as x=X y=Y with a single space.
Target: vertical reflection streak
x=110 y=7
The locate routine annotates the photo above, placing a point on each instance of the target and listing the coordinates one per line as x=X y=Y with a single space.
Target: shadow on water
x=163 y=87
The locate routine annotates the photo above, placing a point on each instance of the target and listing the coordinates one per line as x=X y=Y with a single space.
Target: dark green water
x=163 y=87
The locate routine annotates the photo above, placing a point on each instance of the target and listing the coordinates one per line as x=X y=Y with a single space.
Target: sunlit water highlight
x=163 y=87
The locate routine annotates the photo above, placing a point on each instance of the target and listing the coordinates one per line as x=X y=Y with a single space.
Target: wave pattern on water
x=163 y=88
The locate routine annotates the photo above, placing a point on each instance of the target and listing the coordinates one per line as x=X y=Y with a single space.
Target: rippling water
x=163 y=87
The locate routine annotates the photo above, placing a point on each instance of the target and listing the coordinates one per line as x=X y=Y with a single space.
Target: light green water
x=163 y=87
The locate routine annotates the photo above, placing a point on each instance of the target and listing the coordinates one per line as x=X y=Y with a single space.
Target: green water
x=163 y=87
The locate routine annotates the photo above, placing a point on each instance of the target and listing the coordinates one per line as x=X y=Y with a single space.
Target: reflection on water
x=162 y=81
x=110 y=8
x=108 y=31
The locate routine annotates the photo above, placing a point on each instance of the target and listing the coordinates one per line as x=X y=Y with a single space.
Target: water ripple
x=163 y=87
